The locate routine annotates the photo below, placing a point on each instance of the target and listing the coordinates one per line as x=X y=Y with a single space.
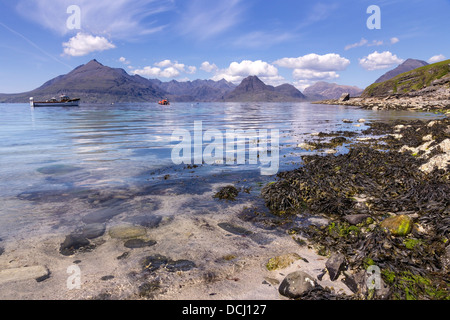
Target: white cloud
x=83 y=44
x=361 y=43
x=124 y=60
x=376 y=60
x=165 y=69
x=149 y=72
x=327 y=62
x=365 y=42
x=303 y=84
x=375 y=43
x=236 y=72
x=208 y=67
x=305 y=74
x=119 y=19
x=313 y=67
x=437 y=58
x=394 y=40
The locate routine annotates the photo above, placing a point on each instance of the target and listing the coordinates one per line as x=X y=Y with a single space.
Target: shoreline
x=215 y=255
x=394 y=102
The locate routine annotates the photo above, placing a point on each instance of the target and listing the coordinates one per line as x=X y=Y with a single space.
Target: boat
x=164 y=102
x=64 y=101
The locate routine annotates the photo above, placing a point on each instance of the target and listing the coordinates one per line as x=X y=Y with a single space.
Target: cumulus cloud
x=237 y=71
x=314 y=75
x=394 y=40
x=376 y=60
x=165 y=69
x=437 y=58
x=327 y=62
x=208 y=67
x=83 y=44
x=313 y=67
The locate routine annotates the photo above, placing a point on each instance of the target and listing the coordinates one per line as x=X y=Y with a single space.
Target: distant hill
x=430 y=79
x=324 y=90
x=197 y=90
x=94 y=82
x=252 y=89
x=406 y=66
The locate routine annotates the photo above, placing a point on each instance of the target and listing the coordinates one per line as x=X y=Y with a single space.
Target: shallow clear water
x=55 y=161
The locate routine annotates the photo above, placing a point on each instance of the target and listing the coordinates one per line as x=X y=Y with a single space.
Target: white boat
x=64 y=101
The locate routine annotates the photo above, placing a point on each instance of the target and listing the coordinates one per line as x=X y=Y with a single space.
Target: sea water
x=54 y=161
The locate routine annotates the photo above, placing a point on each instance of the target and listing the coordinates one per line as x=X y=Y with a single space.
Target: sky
x=286 y=41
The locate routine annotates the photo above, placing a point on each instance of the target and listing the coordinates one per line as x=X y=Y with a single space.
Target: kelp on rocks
x=378 y=184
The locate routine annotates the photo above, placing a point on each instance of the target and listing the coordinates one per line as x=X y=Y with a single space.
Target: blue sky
x=286 y=41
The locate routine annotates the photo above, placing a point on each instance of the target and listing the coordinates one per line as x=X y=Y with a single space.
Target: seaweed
x=378 y=184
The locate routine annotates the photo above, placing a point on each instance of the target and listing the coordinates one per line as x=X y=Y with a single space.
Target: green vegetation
x=409 y=81
x=414 y=287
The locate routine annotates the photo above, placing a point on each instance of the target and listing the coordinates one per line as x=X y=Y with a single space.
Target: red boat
x=164 y=102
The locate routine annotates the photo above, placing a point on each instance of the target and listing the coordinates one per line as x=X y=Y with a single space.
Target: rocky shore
x=387 y=206
x=436 y=96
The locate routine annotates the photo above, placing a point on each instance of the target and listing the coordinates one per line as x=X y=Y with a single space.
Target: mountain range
x=96 y=83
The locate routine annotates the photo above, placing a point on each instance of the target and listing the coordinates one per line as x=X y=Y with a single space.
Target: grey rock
x=139 y=243
x=296 y=284
x=93 y=231
x=355 y=219
x=344 y=97
x=73 y=243
x=335 y=264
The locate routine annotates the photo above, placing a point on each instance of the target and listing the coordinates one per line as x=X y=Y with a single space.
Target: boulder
x=296 y=284
x=344 y=97
x=335 y=264
x=400 y=225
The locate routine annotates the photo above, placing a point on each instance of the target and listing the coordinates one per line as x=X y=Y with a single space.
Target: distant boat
x=64 y=101
x=164 y=102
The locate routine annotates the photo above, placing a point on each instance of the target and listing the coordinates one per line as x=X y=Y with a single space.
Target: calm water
x=53 y=159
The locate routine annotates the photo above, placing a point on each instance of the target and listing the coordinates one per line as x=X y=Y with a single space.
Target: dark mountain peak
x=251 y=83
x=408 y=65
x=253 y=89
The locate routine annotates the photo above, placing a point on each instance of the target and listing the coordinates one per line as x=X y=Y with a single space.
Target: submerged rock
x=400 y=225
x=237 y=230
x=155 y=262
x=74 y=243
x=139 y=243
x=296 y=284
x=127 y=232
